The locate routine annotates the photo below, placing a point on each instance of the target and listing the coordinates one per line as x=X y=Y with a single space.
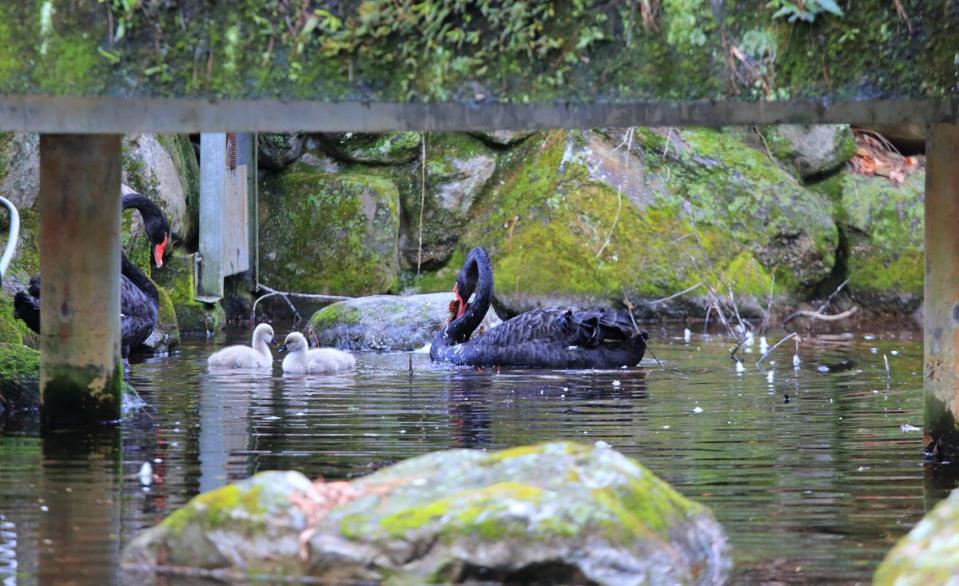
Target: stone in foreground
x=928 y=555
x=553 y=513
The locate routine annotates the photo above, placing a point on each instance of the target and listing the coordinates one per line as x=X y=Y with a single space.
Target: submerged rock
x=325 y=233
x=927 y=556
x=553 y=513
x=384 y=322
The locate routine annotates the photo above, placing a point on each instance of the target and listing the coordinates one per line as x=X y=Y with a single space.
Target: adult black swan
x=139 y=299
x=555 y=337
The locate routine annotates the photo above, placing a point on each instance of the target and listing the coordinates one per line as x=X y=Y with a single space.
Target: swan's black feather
x=556 y=337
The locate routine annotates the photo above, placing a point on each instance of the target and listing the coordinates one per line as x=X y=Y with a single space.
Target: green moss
x=215 y=508
x=476 y=511
x=510 y=453
x=18 y=361
x=885 y=223
x=326 y=233
x=72 y=65
x=335 y=314
x=176 y=279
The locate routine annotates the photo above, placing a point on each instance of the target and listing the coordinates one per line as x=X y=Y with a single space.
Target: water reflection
x=808 y=468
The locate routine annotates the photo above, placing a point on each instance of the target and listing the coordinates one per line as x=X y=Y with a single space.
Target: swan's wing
x=139 y=314
x=328 y=360
x=560 y=325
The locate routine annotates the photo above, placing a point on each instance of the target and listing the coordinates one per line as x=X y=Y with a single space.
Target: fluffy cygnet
x=302 y=360
x=244 y=356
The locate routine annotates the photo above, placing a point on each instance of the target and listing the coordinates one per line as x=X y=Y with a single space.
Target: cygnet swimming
x=302 y=360
x=244 y=356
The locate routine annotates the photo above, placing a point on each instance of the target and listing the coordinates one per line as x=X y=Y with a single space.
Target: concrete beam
x=941 y=305
x=80 y=369
x=72 y=114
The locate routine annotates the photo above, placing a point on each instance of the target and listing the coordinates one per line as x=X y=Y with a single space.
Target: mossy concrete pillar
x=941 y=305
x=80 y=369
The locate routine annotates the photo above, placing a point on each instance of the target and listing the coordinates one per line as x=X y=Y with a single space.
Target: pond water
x=814 y=473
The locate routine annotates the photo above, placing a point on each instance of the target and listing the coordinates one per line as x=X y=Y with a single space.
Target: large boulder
x=811 y=151
x=553 y=513
x=325 y=233
x=502 y=138
x=384 y=322
x=928 y=555
x=883 y=222
x=573 y=219
x=164 y=168
x=391 y=148
x=458 y=170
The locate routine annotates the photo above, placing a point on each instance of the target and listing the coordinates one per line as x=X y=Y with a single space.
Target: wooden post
x=80 y=370
x=941 y=304
x=212 y=191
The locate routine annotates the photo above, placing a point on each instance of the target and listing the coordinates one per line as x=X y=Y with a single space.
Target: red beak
x=159 y=249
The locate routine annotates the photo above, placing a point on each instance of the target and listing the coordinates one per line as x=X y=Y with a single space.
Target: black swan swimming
x=139 y=299
x=555 y=337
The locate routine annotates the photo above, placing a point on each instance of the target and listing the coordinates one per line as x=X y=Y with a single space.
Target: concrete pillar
x=80 y=370
x=941 y=305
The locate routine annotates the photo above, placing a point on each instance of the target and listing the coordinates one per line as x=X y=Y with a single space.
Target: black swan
x=555 y=337
x=139 y=299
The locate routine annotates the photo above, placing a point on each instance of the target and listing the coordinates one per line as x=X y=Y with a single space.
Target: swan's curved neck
x=479 y=270
x=260 y=345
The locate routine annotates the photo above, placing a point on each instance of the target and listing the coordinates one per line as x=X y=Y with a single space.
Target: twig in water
x=815 y=315
x=764 y=326
x=270 y=292
x=675 y=295
x=885 y=359
x=619 y=191
x=629 y=308
x=650 y=350
x=732 y=353
x=411 y=364
x=419 y=248
x=776 y=345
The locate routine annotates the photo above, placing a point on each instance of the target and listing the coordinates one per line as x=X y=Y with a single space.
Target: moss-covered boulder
x=276 y=152
x=191 y=316
x=391 y=148
x=883 y=222
x=553 y=513
x=811 y=151
x=458 y=170
x=572 y=218
x=325 y=233
x=19 y=378
x=927 y=556
x=384 y=322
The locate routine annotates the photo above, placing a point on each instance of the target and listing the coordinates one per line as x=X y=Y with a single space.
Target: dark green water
x=812 y=490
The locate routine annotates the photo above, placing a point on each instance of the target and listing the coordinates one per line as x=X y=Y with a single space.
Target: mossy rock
x=276 y=152
x=19 y=378
x=571 y=219
x=502 y=138
x=927 y=556
x=884 y=224
x=384 y=322
x=558 y=512
x=20 y=168
x=810 y=151
x=325 y=233
x=192 y=316
x=458 y=170
x=165 y=337
x=392 y=148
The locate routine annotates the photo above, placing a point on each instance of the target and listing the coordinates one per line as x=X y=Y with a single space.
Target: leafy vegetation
x=804 y=10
